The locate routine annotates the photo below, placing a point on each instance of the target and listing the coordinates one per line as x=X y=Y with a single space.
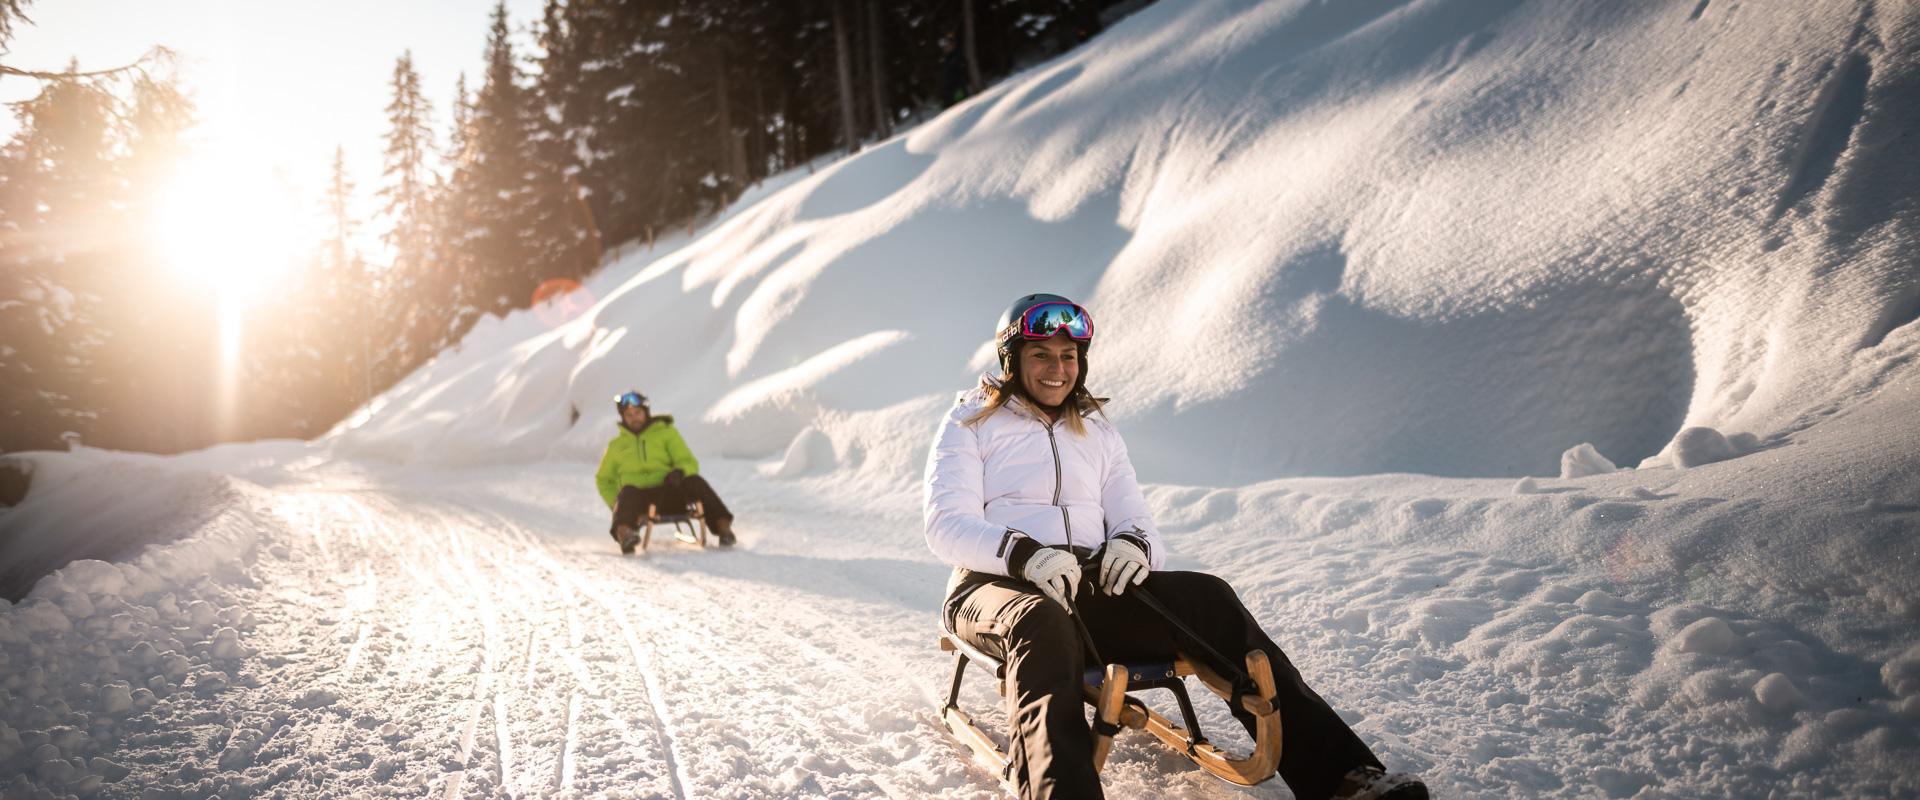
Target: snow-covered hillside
x=1367 y=275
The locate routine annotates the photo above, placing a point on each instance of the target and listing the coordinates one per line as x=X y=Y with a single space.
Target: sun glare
x=226 y=225
x=226 y=228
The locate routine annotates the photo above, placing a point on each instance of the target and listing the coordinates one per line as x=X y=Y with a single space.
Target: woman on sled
x=1028 y=491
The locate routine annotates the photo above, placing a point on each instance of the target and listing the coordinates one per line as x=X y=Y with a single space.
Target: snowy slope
x=1510 y=227
x=1359 y=267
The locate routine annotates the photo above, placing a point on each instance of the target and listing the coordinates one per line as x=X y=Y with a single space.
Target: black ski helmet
x=1007 y=336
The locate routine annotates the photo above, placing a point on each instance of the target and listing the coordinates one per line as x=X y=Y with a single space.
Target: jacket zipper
x=1065 y=517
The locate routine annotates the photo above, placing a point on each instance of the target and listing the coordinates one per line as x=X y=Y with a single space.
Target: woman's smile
x=1048 y=369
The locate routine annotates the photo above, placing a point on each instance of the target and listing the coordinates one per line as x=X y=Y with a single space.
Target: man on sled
x=647 y=465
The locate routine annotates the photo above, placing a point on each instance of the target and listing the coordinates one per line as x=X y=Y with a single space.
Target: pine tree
x=407 y=175
x=347 y=292
x=497 y=177
x=459 y=281
x=59 y=181
x=416 y=274
x=561 y=230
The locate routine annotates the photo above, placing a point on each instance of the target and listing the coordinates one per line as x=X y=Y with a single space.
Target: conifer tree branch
x=154 y=56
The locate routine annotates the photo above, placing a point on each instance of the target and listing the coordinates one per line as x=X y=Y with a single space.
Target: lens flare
x=558 y=300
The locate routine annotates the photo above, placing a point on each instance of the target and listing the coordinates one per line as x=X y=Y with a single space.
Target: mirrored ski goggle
x=1047 y=320
x=629 y=400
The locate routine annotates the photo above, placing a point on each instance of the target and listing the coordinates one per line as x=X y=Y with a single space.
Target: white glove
x=1057 y=573
x=1123 y=565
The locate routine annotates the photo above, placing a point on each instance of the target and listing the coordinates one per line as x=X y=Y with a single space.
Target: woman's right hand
x=1056 y=573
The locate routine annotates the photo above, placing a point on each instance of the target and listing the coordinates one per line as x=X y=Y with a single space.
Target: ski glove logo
x=1124 y=564
x=1057 y=574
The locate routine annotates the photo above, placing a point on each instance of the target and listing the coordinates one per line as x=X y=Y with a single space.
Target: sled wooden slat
x=1265 y=758
x=984 y=750
x=1112 y=697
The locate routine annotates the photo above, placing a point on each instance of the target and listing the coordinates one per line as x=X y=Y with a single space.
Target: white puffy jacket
x=1015 y=475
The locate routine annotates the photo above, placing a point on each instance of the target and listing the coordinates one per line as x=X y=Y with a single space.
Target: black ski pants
x=633 y=501
x=1050 y=747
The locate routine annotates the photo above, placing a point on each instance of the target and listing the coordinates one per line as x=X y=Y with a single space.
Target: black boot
x=723 y=528
x=1369 y=783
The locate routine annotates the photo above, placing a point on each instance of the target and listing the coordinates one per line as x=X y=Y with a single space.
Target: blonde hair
x=1078 y=405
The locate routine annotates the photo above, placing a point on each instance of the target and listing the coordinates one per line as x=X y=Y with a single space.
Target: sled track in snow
x=655 y=698
x=532 y=553
x=685 y=600
x=674 y=615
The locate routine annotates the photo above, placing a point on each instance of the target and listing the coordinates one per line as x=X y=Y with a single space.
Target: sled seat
x=1107 y=688
x=689 y=524
x=1137 y=672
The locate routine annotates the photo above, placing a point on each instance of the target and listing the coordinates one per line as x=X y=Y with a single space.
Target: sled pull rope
x=1085 y=636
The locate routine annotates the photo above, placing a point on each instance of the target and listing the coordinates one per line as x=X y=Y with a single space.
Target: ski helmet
x=628 y=400
x=1041 y=316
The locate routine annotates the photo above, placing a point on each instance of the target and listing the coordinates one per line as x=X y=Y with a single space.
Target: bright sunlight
x=226 y=225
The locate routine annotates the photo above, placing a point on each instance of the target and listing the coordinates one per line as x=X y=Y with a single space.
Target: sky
x=278 y=85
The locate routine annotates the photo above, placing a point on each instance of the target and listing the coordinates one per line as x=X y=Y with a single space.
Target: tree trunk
x=973 y=53
x=844 y=62
x=783 y=139
x=876 y=73
x=757 y=146
x=730 y=184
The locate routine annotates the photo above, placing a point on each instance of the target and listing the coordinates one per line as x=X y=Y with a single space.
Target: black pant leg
x=627 y=509
x=698 y=488
x=1050 y=749
x=1320 y=748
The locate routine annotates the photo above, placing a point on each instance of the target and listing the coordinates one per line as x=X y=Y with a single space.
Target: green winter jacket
x=643 y=459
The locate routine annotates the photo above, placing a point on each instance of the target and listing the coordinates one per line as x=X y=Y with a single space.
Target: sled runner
x=690 y=525
x=1114 y=710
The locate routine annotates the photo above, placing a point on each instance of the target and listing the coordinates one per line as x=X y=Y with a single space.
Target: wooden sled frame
x=693 y=522
x=1114 y=710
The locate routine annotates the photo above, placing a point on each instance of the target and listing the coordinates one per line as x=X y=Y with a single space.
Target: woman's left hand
x=1124 y=564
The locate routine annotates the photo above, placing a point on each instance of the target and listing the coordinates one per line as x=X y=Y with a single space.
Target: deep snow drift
x=1383 y=288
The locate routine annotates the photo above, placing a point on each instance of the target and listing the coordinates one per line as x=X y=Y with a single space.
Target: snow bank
x=96 y=646
x=98 y=505
x=1326 y=239
x=1582 y=460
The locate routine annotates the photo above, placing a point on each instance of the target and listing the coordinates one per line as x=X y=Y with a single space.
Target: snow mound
x=92 y=505
x=1582 y=460
x=1777 y=693
x=96 y=647
x=1708 y=635
x=810 y=452
x=1700 y=445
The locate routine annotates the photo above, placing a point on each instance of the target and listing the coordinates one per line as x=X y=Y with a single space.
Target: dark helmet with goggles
x=1038 y=317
